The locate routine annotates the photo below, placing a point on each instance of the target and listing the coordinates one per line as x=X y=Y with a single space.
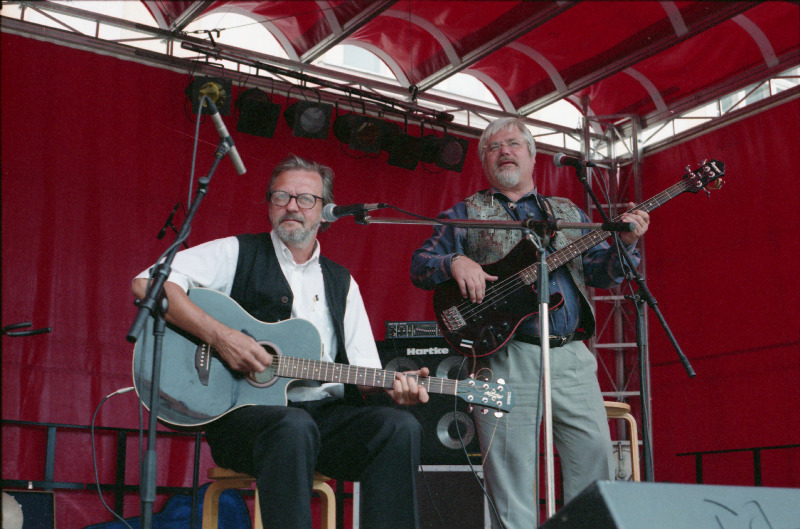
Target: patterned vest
x=491 y=245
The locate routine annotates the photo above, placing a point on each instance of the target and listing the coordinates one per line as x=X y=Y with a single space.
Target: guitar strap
x=545 y=206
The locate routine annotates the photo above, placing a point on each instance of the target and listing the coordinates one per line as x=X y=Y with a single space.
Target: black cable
x=469 y=461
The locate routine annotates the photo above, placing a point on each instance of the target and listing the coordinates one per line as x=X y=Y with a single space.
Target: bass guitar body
x=479 y=329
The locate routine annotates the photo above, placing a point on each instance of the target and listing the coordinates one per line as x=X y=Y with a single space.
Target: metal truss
x=617 y=182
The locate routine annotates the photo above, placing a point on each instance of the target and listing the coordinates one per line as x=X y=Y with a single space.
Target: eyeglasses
x=511 y=144
x=304 y=200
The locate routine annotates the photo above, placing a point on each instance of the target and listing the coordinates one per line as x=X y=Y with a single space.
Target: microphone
x=562 y=160
x=332 y=212
x=211 y=90
x=168 y=223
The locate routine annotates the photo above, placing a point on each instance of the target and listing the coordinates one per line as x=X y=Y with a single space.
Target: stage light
x=404 y=151
x=216 y=88
x=258 y=116
x=309 y=120
x=447 y=152
x=362 y=133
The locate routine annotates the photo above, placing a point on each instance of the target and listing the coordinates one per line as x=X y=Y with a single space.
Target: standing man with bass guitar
x=452 y=258
x=326 y=427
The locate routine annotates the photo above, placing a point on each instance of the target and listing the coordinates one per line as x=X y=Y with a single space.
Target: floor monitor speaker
x=632 y=505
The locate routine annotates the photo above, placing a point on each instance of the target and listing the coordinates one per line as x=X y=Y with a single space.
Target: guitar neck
x=320 y=371
x=592 y=239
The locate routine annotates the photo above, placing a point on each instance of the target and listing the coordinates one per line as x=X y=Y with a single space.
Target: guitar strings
x=333 y=372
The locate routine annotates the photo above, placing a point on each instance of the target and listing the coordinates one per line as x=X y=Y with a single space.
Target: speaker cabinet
x=449 y=497
x=631 y=505
x=446 y=420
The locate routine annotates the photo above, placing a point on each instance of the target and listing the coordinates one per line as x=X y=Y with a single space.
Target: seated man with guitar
x=326 y=427
x=486 y=305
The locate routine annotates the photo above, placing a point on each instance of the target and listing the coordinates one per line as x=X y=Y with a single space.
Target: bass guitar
x=196 y=386
x=480 y=329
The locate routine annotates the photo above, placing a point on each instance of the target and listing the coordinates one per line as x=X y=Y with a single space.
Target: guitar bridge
x=202 y=362
x=453 y=319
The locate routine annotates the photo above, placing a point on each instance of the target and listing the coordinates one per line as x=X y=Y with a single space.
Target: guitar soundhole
x=269 y=376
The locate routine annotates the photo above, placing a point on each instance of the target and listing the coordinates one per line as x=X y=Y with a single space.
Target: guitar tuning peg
x=501 y=381
x=708 y=193
x=484 y=411
x=498 y=414
x=688 y=168
x=470 y=408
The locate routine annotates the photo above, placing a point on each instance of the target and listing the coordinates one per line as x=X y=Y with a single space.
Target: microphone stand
x=642 y=296
x=539 y=232
x=154 y=305
x=542 y=241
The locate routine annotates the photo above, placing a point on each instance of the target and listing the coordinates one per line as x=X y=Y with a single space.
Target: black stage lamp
x=447 y=152
x=362 y=133
x=258 y=116
x=309 y=120
x=216 y=88
x=404 y=151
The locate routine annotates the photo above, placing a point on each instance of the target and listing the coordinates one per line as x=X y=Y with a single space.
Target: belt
x=555 y=341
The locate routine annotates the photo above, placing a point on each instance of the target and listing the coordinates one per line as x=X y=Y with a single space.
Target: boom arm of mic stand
x=527 y=224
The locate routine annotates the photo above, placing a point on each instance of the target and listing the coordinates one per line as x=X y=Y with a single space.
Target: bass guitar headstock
x=707 y=176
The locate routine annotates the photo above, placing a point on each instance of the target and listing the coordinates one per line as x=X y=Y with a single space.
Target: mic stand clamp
x=362 y=217
x=154 y=304
x=642 y=295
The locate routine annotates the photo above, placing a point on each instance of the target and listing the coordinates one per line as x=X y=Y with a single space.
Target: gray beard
x=299 y=237
x=508 y=177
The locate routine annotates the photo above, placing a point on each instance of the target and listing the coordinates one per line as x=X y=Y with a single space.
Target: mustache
x=293 y=216
x=505 y=159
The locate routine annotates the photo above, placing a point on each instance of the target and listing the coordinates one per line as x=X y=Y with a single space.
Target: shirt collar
x=499 y=194
x=285 y=254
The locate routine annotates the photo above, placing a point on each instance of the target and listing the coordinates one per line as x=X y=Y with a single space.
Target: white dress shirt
x=213 y=265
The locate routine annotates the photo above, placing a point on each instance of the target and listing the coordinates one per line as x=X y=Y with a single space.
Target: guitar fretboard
x=292 y=367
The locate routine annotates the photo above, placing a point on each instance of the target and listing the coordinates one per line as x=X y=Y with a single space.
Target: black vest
x=260 y=287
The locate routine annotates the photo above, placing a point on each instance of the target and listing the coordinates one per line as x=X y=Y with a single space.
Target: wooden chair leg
x=211 y=499
x=225 y=479
x=634 y=437
x=620 y=410
x=328 y=504
x=257 y=514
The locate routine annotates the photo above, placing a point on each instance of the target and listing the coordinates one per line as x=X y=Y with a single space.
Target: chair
x=224 y=479
x=620 y=410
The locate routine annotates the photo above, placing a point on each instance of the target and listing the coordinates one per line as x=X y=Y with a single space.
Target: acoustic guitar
x=196 y=386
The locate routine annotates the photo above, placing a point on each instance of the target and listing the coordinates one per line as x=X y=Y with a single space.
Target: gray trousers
x=580 y=428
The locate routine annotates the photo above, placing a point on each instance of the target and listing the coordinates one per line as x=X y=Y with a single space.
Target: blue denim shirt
x=430 y=264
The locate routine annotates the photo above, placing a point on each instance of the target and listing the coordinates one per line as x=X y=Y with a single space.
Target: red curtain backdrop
x=96 y=151
x=723 y=271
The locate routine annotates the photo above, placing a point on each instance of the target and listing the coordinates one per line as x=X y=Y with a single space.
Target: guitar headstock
x=494 y=395
x=708 y=175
